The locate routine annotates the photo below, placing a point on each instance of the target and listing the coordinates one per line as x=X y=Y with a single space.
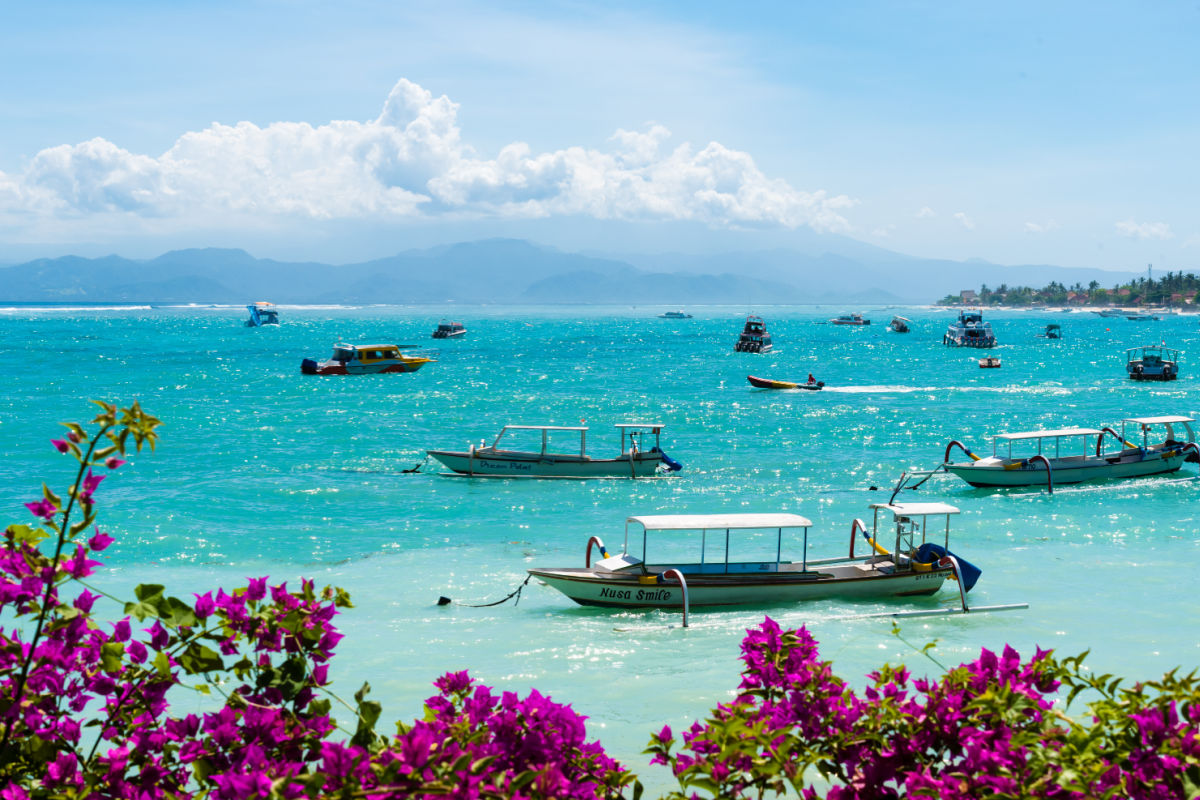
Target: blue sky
x=1009 y=132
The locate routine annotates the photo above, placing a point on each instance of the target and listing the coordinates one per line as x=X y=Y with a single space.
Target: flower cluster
x=990 y=728
x=84 y=706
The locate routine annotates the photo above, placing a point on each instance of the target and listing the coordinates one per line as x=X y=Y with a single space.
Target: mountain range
x=834 y=269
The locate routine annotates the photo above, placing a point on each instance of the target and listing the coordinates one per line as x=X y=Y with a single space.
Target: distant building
x=969 y=296
x=1076 y=297
x=1123 y=292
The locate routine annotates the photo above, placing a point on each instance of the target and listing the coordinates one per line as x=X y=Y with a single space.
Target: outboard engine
x=671 y=463
x=308 y=367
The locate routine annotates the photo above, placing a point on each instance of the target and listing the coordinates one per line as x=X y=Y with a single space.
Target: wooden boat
x=449 y=330
x=918 y=563
x=900 y=324
x=763 y=383
x=850 y=319
x=364 y=359
x=754 y=337
x=1050 y=462
x=496 y=461
x=1152 y=363
x=989 y=363
x=262 y=313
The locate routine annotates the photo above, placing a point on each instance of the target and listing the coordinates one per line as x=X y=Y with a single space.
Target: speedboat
x=449 y=330
x=754 y=338
x=918 y=563
x=262 y=313
x=764 y=383
x=1072 y=455
x=850 y=319
x=1152 y=363
x=1110 y=312
x=969 y=330
x=365 y=359
x=900 y=324
x=1141 y=316
x=674 y=315
x=498 y=461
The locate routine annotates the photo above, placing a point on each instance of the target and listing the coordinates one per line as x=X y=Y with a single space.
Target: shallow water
x=264 y=471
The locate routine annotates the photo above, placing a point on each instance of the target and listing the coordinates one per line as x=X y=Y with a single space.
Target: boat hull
x=487 y=465
x=592 y=588
x=311 y=367
x=448 y=335
x=997 y=476
x=763 y=383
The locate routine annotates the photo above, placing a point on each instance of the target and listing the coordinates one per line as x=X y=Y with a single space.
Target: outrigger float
x=495 y=461
x=917 y=565
x=1069 y=455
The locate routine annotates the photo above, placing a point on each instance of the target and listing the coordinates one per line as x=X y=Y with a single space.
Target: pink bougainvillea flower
x=113 y=462
x=100 y=541
x=60 y=445
x=44 y=509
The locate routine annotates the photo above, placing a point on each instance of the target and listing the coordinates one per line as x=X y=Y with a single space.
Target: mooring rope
x=417 y=468
x=445 y=601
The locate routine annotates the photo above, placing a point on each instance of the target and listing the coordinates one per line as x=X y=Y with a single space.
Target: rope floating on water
x=417 y=468
x=445 y=601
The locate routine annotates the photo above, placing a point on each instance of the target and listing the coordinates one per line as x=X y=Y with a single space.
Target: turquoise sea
x=261 y=470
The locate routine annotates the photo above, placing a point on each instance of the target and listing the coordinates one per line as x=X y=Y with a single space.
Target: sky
x=1018 y=133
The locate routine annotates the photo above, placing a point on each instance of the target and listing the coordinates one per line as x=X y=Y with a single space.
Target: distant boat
x=763 y=383
x=674 y=315
x=449 y=330
x=754 y=337
x=1110 y=312
x=262 y=313
x=850 y=319
x=989 y=363
x=1141 y=316
x=496 y=461
x=1053 y=331
x=364 y=359
x=969 y=330
x=899 y=324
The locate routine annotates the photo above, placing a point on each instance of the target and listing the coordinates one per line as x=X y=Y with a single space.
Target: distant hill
x=515 y=271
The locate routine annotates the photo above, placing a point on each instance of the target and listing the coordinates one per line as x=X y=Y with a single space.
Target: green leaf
x=197 y=658
x=52 y=497
x=149 y=597
x=111 y=655
x=163 y=665
x=83 y=524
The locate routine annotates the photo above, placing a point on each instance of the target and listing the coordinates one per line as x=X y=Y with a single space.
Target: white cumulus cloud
x=1144 y=230
x=410 y=162
x=1041 y=227
x=926 y=213
x=966 y=221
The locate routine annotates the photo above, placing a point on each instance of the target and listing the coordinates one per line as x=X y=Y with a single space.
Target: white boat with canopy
x=499 y=460
x=1073 y=455
x=666 y=573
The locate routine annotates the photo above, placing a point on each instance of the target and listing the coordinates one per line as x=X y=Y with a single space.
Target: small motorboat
x=991 y=362
x=1069 y=455
x=918 y=563
x=365 y=359
x=1142 y=316
x=674 y=315
x=763 y=383
x=1152 y=363
x=899 y=324
x=754 y=337
x=495 y=461
x=449 y=330
x=262 y=313
x=969 y=330
x=1052 y=331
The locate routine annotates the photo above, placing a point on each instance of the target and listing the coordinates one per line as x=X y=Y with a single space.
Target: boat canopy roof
x=905 y=319
x=1157 y=420
x=545 y=427
x=725 y=522
x=651 y=425
x=1158 y=347
x=917 y=509
x=1049 y=434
